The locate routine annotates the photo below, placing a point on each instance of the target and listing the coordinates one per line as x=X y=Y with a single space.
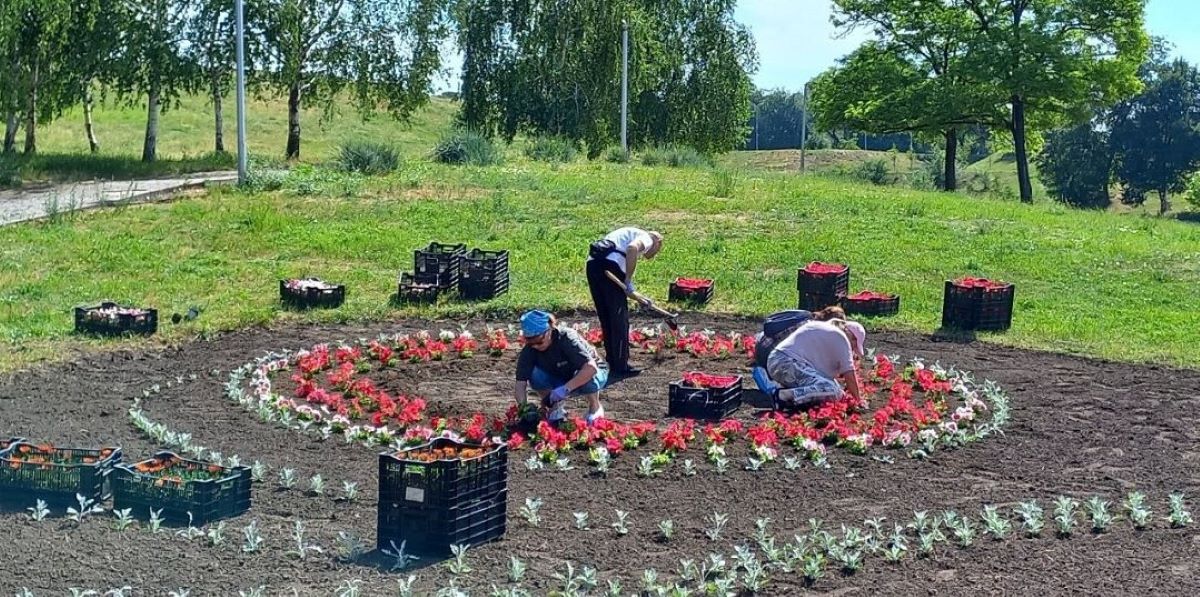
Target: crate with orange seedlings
x=442 y=493
x=5 y=443
x=30 y=472
x=177 y=486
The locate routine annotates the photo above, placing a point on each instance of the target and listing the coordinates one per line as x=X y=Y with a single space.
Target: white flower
x=446 y=336
x=963 y=413
x=813 y=445
x=949 y=427
x=466 y=335
x=926 y=435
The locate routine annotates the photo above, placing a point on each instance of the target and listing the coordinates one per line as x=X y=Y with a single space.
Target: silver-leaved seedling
x=716 y=524
x=516 y=569
x=1179 y=517
x=667 y=529
x=531 y=511
x=1064 y=514
x=459 y=566
x=581 y=520
x=620 y=525
x=1032 y=517
x=1098 y=511
x=39 y=511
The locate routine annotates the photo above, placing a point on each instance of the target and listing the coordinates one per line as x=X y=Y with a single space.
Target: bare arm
x=521 y=392
x=851 y=380
x=586 y=373
x=631 y=259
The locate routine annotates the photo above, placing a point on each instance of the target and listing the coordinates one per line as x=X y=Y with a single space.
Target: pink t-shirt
x=822 y=345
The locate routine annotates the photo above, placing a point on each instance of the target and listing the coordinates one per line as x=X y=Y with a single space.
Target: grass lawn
x=185 y=138
x=1116 y=287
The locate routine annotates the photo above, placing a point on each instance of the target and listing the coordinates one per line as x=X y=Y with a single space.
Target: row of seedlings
x=441 y=494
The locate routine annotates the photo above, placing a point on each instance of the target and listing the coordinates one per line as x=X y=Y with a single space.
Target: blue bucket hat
x=534 y=323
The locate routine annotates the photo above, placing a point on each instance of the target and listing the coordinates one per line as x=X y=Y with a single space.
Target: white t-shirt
x=622 y=238
x=822 y=345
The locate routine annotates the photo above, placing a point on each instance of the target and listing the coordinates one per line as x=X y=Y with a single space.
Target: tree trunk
x=10 y=132
x=1164 y=203
x=1018 y=131
x=150 y=146
x=31 y=110
x=88 y=126
x=219 y=118
x=293 y=141
x=950 y=183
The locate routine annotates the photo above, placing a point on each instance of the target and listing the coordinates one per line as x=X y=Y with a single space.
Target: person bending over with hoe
x=558 y=363
x=806 y=366
x=618 y=253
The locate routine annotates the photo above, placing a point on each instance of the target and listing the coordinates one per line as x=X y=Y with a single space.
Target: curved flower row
x=913 y=407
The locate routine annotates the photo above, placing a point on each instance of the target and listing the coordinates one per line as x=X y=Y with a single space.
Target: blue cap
x=535 y=323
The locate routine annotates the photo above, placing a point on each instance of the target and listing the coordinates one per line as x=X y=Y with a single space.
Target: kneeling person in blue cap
x=558 y=362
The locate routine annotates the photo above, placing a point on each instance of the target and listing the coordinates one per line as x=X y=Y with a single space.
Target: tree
x=1076 y=166
x=1052 y=62
x=387 y=52
x=776 y=120
x=40 y=35
x=912 y=78
x=547 y=67
x=213 y=46
x=152 y=64
x=1156 y=135
x=10 y=72
x=94 y=36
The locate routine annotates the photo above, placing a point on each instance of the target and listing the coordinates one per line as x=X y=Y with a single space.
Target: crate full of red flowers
x=822 y=284
x=869 y=302
x=977 y=304
x=704 y=396
x=694 y=290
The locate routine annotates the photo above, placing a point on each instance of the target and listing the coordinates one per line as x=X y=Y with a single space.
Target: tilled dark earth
x=1079 y=427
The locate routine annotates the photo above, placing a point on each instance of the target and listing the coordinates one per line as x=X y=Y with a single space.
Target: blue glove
x=629 y=287
x=558 y=395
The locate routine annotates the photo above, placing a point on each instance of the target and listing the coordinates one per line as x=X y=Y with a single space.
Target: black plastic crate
x=872 y=306
x=304 y=298
x=411 y=291
x=208 y=500
x=433 y=530
x=482 y=290
x=439 y=264
x=692 y=295
x=686 y=402
x=971 y=308
x=89 y=321
x=445 y=483
x=23 y=482
x=810 y=301
x=480 y=266
x=826 y=284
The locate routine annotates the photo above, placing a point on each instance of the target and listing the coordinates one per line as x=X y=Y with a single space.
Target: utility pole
x=625 y=86
x=804 y=130
x=755 y=126
x=240 y=9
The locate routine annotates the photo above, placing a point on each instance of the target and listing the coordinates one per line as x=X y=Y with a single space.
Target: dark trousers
x=612 y=308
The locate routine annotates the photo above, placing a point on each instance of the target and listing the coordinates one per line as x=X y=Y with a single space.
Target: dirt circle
x=1079 y=427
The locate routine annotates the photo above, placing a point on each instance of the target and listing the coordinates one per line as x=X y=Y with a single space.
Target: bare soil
x=1080 y=427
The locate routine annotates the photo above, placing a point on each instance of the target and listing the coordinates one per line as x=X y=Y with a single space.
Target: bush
x=551 y=149
x=724 y=183
x=675 y=156
x=874 y=171
x=466 y=147
x=616 y=155
x=368 y=158
x=10 y=172
x=1192 y=194
x=265 y=180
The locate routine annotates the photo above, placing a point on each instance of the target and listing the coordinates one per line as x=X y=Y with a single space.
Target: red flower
x=516 y=441
x=696 y=379
x=817 y=267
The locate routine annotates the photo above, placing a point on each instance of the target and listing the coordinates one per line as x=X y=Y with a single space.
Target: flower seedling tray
x=112 y=319
x=693 y=290
x=871 y=303
x=439 y=264
x=178 y=486
x=412 y=291
x=704 y=396
x=823 y=278
x=442 y=493
x=5 y=443
x=977 y=304
x=31 y=472
x=484 y=275
x=303 y=293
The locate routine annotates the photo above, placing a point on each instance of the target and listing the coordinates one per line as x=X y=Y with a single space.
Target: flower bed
x=908 y=406
x=696 y=290
x=977 y=304
x=442 y=493
x=303 y=293
x=868 y=302
x=704 y=396
x=29 y=473
x=178 y=486
x=111 y=319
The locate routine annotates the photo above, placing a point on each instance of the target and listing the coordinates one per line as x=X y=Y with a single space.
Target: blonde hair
x=840 y=324
x=829 y=313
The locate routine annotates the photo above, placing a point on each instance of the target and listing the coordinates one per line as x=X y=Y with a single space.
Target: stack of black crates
x=987 y=307
x=429 y=504
x=822 y=289
x=484 y=274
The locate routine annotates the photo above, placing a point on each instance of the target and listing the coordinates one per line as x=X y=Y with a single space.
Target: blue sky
x=796 y=42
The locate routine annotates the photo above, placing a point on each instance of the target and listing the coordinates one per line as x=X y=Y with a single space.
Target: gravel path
x=30 y=204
